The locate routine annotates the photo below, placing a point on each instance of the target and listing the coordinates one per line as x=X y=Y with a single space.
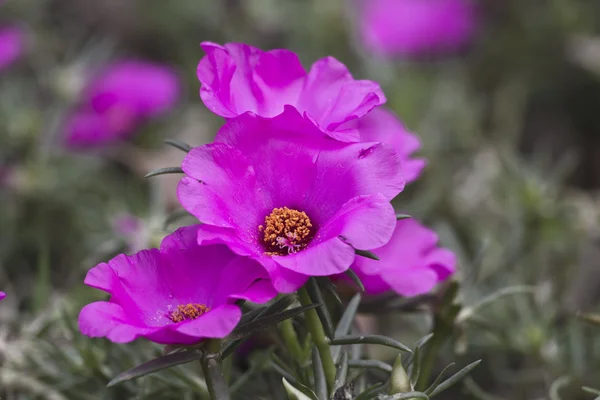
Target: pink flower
x=382 y=125
x=409 y=264
x=415 y=27
x=179 y=294
x=2 y=295
x=236 y=78
x=122 y=97
x=12 y=45
x=281 y=192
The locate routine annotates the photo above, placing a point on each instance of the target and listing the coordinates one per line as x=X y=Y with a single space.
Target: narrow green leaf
x=352 y=275
x=415 y=367
x=370 y=339
x=375 y=364
x=557 y=385
x=593 y=319
x=163 y=171
x=328 y=286
x=406 y=396
x=402 y=216
x=320 y=381
x=317 y=298
x=264 y=322
x=590 y=390
x=366 y=254
x=155 y=365
x=341 y=374
x=343 y=327
x=454 y=379
x=345 y=324
x=372 y=391
x=439 y=378
x=178 y=144
x=293 y=393
x=230 y=347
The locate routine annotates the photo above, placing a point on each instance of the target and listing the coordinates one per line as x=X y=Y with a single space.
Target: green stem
x=318 y=335
x=286 y=327
x=212 y=371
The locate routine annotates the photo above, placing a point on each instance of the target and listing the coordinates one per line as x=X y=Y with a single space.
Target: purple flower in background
x=281 y=192
x=2 y=295
x=236 y=78
x=382 y=125
x=179 y=294
x=12 y=45
x=409 y=264
x=117 y=101
x=415 y=27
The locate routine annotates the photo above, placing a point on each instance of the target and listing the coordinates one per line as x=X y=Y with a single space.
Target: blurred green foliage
x=510 y=129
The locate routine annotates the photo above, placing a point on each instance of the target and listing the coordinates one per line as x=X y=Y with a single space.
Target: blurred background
x=505 y=96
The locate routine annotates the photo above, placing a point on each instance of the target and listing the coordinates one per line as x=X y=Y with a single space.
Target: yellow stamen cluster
x=286 y=229
x=188 y=312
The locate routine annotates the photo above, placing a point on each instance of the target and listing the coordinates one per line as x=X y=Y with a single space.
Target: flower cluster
x=298 y=179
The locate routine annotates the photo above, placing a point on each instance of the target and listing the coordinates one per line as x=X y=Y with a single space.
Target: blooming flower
x=415 y=27
x=12 y=45
x=382 y=125
x=409 y=264
x=179 y=294
x=281 y=192
x=122 y=97
x=2 y=295
x=236 y=78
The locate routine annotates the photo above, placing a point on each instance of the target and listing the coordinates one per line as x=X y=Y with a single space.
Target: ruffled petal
x=332 y=97
x=236 y=78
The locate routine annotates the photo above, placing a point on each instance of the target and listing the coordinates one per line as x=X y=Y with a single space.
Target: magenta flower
x=2 y=295
x=382 y=125
x=12 y=45
x=415 y=27
x=409 y=264
x=179 y=294
x=236 y=78
x=121 y=98
x=281 y=192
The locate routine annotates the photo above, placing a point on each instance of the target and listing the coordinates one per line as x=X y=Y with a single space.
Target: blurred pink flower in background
x=2 y=295
x=125 y=95
x=12 y=45
x=410 y=264
x=415 y=27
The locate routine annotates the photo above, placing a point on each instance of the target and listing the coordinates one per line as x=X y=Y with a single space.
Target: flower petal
x=366 y=222
x=325 y=258
x=236 y=78
x=217 y=323
x=332 y=97
x=382 y=125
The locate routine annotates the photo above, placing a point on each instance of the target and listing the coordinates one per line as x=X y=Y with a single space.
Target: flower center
x=188 y=312
x=286 y=231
